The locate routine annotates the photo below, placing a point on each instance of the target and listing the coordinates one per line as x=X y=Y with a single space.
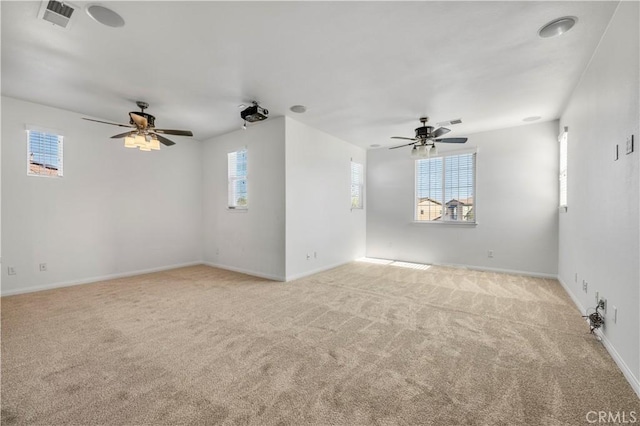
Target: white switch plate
x=630 y=144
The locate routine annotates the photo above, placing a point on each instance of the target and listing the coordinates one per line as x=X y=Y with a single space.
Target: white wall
x=516 y=196
x=320 y=221
x=250 y=241
x=599 y=234
x=115 y=211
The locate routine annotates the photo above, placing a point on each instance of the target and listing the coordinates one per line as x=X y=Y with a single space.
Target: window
x=563 y=168
x=237 y=173
x=445 y=189
x=44 y=153
x=357 y=185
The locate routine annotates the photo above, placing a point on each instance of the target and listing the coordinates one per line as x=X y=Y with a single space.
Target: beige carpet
x=360 y=344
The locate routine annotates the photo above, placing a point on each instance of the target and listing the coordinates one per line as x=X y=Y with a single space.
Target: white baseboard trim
x=96 y=279
x=317 y=270
x=500 y=270
x=626 y=371
x=245 y=271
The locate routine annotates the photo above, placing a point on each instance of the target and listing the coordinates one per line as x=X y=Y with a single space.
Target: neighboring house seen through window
x=44 y=153
x=445 y=189
x=357 y=185
x=237 y=174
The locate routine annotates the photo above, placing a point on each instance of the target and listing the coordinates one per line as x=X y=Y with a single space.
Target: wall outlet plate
x=11 y=270
x=630 y=144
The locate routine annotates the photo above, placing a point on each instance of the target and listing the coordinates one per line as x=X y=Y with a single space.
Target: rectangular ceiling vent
x=449 y=123
x=58 y=13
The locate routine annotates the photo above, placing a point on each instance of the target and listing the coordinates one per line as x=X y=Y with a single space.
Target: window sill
x=563 y=209
x=445 y=223
x=238 y=209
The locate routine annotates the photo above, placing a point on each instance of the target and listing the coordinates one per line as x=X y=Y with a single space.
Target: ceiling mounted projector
x=254 y=113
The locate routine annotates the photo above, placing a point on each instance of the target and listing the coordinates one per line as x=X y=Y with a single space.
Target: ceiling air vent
x=449 y=122
x=58 y=13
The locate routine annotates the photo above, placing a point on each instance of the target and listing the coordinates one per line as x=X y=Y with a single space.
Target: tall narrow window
x=357 y=185
x=44 y=153
x=564 y=136
x=237 y=174
x=445 y=189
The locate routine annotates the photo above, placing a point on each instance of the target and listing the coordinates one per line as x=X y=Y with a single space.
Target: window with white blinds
x=357 y=185
x=44 y=153
x=563 y=169
x=237 y=174
x=445 y=189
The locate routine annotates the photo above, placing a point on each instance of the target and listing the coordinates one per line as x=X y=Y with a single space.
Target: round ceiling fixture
x=298 y=109
x=532 y=118
x=557 y=27
x=105 y=16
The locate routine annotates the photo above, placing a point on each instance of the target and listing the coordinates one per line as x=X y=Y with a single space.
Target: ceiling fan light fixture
x=130 y=142
x=557 y=27
x=414 y=151
x=154 y=144
x=433 y=150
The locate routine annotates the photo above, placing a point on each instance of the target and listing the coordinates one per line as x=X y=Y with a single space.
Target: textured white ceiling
x=365 y=70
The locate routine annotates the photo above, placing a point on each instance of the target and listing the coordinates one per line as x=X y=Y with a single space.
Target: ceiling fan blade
x=400 y=137
x=451 y=140
x=106 y=122
x=174 y=132
x=440 y=131
x=122 y=135
x=164 y=141
x=139 y=120
x=400 y=146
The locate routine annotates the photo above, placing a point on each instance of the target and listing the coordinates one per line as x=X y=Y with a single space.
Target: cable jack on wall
x=596 y=319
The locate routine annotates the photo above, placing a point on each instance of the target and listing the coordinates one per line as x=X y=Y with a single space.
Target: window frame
x=443 y=155
x=232 y=180
x=29 y=130
x=563 y=176
x=359 y=185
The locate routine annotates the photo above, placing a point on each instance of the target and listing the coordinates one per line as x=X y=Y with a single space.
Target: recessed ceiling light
x=532 y=118
x=298 y=108
x=105 y=16
x=557 y=27
x=375 y=145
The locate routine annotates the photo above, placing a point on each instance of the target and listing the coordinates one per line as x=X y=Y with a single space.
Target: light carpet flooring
x=362 y=344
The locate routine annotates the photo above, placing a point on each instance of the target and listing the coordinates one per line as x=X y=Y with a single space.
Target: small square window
x=44 y=153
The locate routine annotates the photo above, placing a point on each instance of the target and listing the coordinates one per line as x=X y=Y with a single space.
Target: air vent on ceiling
x=58 y=13
x=449 y=123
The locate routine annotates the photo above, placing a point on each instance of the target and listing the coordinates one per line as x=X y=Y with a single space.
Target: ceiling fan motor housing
x=424 y=132
x=254 y=113
x=150 y=118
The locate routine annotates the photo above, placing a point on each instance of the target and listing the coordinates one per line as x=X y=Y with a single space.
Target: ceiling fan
x=143 y=133
x=426 y=136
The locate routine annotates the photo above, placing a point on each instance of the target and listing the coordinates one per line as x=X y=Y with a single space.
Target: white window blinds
x=44 y=153
x=563 y=169
x=357 y=185
x=237 y=174
x=445 y=188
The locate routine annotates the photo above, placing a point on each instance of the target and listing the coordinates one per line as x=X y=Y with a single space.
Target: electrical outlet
x=615 y=315
x=11 y=270
x=603 y=304
x=308 y=256
x=490 y=253
x=43 y=267
x=584 y=286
